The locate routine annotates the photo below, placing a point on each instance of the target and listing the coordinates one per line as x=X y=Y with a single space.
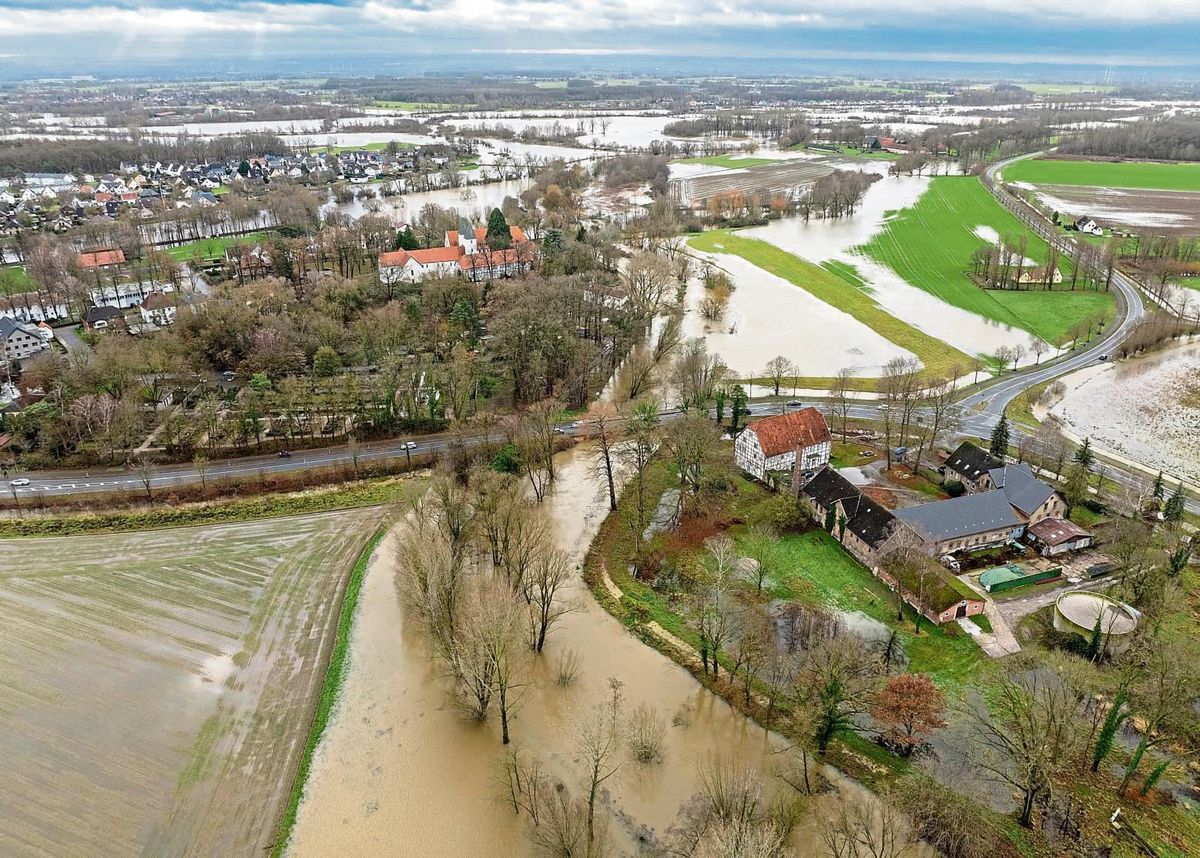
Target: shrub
x=954 y=488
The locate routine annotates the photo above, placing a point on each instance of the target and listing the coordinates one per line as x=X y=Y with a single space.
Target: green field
x=731 y=162
x=416 y=105
x=158 y=687
x=936 y=356
x=14 y=280
x=1143 y=175
x=212 y=249
x=930 y=246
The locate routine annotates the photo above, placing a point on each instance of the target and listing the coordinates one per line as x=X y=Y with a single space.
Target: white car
x=409 y=445
x=20 y=481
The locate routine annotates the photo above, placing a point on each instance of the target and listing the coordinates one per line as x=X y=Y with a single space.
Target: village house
x=101 y=258
x=103 y=318
x=20 y=340
x=970 y=464
x=126 y=294
x=464 y=252
x=157 y=309
x=1039 y=275
x=870 y=533
x=34 y=307
x=797 y=441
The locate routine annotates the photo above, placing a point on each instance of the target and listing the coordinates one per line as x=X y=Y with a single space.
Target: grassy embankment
x=364 y=493
x=418 y=105
x=378 y=146
x=935 y=355
x=731 y=162
x=335 y=676
x=1142 y=175
x=931 y=243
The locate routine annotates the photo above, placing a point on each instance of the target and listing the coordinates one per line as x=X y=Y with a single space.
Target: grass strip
x=727 y=161
x=937 y=357
x=1142 y=175
x=363 y=493
x=331 y=689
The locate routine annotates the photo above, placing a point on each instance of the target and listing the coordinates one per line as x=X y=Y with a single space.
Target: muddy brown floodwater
x=401 y=772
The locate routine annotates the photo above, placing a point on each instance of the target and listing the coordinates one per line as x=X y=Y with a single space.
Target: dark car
x=795 y=403
x=284 y=454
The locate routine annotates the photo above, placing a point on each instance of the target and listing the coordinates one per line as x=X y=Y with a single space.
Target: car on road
x=1103 y=357
x=409 y=445
x=19 y=481
x=284 y=454
x=795 y=403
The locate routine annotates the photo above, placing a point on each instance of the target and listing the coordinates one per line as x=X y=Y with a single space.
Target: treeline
x=102 y=156
x=835 y=195
x=1000 y=94
x=1174 y=139
x=635 y=169
x=486 y=93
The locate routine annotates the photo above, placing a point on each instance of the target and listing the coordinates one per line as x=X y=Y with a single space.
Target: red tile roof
x=1056 y=531
x=787 y=432
x=518 y=234
x=452 y=238
x=102 y=258
x=103 y=196
x=157 y=301
x=437 y=254
x=396 y=258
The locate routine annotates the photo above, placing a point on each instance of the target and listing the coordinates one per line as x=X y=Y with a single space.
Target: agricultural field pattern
x=155 y=687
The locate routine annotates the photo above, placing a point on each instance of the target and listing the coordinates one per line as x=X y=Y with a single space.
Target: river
x=399 y=771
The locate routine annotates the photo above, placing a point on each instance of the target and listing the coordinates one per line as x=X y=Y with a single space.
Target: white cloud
x=168 y=24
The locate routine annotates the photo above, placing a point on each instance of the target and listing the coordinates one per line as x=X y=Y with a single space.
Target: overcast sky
x=1100 y=32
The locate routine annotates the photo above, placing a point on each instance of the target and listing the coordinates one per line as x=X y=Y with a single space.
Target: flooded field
x=402 y=772
x=835 y=240
x=1147 y=409
x=474 y=201
x=1162 y=211
x=768 y=316
x=157 y=687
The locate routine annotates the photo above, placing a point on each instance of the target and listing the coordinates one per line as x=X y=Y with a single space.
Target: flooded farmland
x=400 y=771
x=157 y=686
x=1147 y=409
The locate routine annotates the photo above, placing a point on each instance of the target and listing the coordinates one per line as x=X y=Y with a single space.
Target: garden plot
x=157 y=687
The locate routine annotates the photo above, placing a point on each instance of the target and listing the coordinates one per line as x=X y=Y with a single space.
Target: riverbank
x=334 y=668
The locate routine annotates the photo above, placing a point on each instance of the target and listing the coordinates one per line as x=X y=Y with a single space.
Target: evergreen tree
x=1108 y=732
x=1097 y=640
x=1084 y=454
x=830 y=519
x=999 y=447
x=244 y=168
x=1173 y=511
x=499 y=237
x=1160 y=490
x=406 y=240
x=737 y=398
x=581 y=233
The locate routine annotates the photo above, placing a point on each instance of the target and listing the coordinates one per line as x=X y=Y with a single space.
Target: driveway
x=70 y=340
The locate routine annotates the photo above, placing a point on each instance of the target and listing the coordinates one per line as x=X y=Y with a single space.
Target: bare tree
x=599 y=744
x=1028 y=738
x=841 y=390
x=606 y=428
x=866 y=829
x=779 y=368
x=548 y=575
x=637 y=452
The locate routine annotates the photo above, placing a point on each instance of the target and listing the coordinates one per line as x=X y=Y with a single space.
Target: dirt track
x=155 y=688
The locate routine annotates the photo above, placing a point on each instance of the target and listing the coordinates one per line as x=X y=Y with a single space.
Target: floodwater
x=835 y=239
x=473 y=202
x=401 y=772
x=1134 y=408
x=768 y=316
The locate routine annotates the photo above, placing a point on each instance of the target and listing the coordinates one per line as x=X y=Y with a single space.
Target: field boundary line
x=335 y=675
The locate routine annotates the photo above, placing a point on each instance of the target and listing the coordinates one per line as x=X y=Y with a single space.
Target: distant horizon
x=556 y=64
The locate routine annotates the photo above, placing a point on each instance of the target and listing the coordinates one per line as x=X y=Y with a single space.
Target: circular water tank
x=1077 y=612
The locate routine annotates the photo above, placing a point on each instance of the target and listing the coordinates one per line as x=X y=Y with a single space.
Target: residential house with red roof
x=797 y=441
x=109 y=257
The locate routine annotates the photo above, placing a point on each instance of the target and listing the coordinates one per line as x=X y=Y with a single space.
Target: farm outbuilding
x=1052 y=536
x=1078 y=612
x=1011 y=576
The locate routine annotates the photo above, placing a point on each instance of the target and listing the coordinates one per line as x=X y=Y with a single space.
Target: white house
x=157 y=309
x=128 y=294
x=462 y=254
x=34 y=307
x=797 y=441
x=19 y=340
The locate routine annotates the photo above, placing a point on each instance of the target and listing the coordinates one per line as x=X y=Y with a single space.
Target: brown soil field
x=156 y=688
x=1133 y=209
x=770 y=179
